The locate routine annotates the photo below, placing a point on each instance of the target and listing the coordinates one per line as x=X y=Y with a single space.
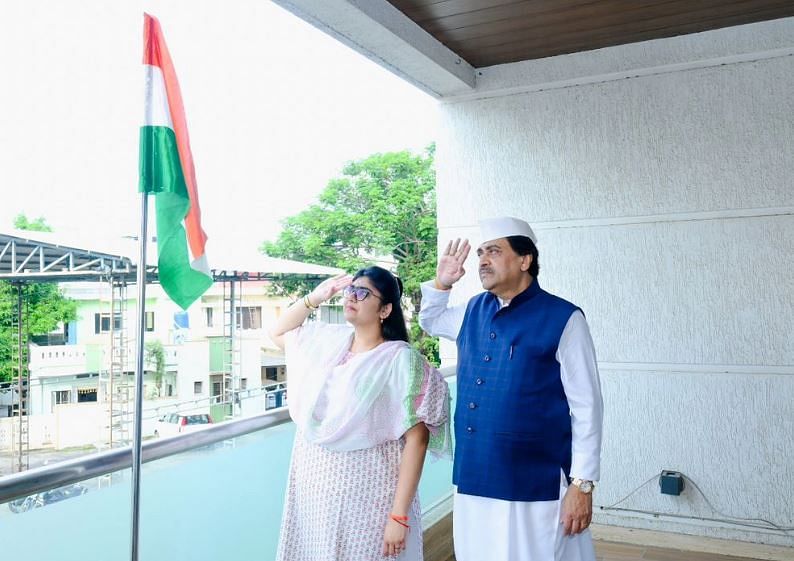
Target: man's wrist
x=440 y=286
x=584 y=485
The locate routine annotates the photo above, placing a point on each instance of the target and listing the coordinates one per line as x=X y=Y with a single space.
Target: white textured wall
x=664 y=204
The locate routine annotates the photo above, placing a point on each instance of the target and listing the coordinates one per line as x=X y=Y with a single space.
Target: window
x=84 y=396
x=208 y=317
x=197 y=388
x=102 y=322
x=60 y=397
x=332 y=314
x=249 y=317
x=271 y=373
x=243 y=383
x=149 y=321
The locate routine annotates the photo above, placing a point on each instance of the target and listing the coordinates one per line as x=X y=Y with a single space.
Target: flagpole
x=136 y=431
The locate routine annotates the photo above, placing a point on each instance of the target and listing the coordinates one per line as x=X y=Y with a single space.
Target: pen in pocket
x=511 y=352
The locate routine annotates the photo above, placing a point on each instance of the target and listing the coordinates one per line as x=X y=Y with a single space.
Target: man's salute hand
x=450 y=264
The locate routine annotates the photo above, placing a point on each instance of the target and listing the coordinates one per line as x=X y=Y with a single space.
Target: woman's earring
x=381 y=321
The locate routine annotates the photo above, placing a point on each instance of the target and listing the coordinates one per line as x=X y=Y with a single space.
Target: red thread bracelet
x=401 y=520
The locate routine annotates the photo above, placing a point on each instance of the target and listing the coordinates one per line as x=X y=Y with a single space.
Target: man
x=529 y=409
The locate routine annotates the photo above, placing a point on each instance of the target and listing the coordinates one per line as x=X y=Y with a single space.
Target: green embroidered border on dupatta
x=439 y=443
x=417 y=376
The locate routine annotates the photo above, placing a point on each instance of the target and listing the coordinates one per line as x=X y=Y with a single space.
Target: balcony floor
x=438 y=547
x=611 y=551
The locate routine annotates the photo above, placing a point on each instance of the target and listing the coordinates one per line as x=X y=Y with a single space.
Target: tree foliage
x=44 y=307
x=154 y=354
x=382 y=210
x=22 y=222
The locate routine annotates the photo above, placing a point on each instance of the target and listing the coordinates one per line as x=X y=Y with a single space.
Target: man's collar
x=532 y=290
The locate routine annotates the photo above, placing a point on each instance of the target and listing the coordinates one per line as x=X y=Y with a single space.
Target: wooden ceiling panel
x=504 y=12
x=578 y=35
x=488 y=32
x=567 y=19
x=420 y=11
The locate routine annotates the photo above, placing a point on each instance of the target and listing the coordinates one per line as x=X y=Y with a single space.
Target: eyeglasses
x=359 y=293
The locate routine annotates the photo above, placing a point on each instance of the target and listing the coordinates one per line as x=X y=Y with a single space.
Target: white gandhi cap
x=502 y=227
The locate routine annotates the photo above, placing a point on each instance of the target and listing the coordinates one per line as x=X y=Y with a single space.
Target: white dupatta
x=374 y=397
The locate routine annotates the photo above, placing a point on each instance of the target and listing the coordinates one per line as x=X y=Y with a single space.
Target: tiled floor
x=438 y=547
x=609 y=551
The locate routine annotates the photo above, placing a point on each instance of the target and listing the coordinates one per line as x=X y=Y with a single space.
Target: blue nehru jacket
x=512 y=422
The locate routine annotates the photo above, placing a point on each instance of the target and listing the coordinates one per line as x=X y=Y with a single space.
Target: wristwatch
x=584 y=485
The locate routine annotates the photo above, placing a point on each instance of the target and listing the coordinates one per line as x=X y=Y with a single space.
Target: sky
x=275 y=108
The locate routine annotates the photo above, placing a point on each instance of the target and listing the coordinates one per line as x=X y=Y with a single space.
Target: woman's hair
x=391 y=290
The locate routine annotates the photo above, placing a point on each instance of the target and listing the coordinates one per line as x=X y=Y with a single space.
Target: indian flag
x=166 y=169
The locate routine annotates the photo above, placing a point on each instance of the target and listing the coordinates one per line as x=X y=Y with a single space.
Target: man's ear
x=526 y=262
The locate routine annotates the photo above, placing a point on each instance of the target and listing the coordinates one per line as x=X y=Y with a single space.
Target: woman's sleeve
x=294 y=340
x=304 y=346
x=299 y=340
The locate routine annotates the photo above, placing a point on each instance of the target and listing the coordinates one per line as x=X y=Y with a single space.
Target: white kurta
x=352 y=411
x=498 y=530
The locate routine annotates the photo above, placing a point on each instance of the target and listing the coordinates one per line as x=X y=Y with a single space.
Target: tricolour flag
x=166 y=169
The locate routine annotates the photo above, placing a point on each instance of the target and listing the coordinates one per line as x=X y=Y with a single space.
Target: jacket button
x=472 y=405
x=470 y=429
x=479 y=381
x=492 y=335
x=487 y=358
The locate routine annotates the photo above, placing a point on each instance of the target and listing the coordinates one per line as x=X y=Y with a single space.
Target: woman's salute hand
x=328 y=288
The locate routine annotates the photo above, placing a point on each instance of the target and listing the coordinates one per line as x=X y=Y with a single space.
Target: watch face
x=586 y=486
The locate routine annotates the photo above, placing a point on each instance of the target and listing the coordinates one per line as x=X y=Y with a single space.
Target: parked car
x=47 y=497
x=176 y=423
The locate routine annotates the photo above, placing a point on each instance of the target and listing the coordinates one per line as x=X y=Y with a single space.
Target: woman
x=367 y=408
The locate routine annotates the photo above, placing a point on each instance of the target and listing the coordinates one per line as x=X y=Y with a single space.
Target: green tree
x=154 y=352
x=45 y=304
x=383 y=206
